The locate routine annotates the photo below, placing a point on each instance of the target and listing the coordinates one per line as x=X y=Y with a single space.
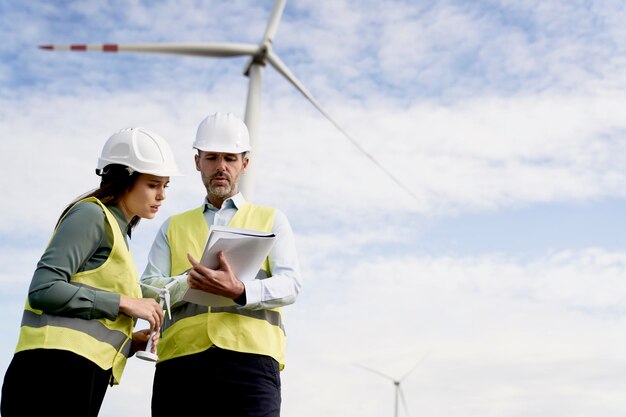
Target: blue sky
x=506 y=121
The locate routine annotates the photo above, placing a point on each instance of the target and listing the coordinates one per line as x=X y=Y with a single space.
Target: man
x=222 y=361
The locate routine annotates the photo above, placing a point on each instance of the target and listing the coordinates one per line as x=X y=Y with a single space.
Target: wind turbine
x=399 y=394
x=164 y=300
x=260 y=54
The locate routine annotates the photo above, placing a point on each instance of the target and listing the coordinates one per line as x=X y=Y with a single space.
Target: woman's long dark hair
x=116 y=182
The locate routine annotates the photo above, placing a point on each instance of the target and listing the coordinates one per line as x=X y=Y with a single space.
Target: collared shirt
x=82 y=242
x=278 y=290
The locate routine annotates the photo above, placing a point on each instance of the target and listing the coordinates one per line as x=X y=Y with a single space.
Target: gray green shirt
x=82 y=242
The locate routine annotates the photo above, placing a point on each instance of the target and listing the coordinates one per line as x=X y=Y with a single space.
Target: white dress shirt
x=280 y=289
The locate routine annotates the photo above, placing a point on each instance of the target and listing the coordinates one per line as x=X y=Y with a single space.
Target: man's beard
x=220 y=191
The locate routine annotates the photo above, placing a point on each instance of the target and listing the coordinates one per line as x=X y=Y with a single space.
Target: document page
x=244 y=249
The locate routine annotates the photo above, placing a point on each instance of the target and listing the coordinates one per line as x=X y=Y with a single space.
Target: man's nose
x=221 y=164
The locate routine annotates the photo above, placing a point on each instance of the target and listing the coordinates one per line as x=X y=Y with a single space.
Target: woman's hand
x=143 y=308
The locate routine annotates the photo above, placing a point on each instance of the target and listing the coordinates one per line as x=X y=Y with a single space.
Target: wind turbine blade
x=415 y=366
x=376 y=372
x=168 y=304
x=275 y=16
x=199 y=49
x=406 y=407
x=276 y=62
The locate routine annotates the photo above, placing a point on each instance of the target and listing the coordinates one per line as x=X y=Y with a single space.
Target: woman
x=84 y=297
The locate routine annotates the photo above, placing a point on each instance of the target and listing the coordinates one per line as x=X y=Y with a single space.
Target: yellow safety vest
x=195 y=328
x=104 y=342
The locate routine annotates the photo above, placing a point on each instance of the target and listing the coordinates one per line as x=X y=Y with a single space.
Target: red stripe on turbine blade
x=46 y=47
x=78 y=47
x=109 y=47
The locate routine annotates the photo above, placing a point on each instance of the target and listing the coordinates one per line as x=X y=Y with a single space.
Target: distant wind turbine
x=260 y=54
x=399 y=394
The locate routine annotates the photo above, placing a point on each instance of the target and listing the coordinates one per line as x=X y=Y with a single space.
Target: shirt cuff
x=107 y=304
x=252 y=291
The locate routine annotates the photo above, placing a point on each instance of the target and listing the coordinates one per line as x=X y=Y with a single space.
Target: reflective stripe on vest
x=195 y=328
x=104 y=342
x=190 y=309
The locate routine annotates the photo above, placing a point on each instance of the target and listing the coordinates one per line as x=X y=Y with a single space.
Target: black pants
x=50 y=382
x=217 y=383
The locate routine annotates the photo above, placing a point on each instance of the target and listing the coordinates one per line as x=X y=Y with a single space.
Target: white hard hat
x=222 y=132
x=141 y=150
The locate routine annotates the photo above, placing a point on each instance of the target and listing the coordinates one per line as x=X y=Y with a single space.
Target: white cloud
x=480 y=154
x=474 y=107
x=500 y=333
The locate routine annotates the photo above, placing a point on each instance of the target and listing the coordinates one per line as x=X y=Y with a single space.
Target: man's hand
x=140 y=340
x=220 y=281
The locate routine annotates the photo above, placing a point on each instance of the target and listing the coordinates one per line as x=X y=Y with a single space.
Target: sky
x=494 y=286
